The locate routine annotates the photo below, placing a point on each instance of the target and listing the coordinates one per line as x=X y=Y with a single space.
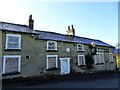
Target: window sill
x=52 y=69
x=111 y=62
x=80 y=51
x=81 y=65
x=12 y=49
x=11 y=73
x=52 y=50
x=99 y=63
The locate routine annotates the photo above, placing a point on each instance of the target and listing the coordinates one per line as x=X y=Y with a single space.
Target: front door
x=65 y=65
x=107 y=61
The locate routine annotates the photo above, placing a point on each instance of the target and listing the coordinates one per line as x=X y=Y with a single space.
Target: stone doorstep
x=49 y=78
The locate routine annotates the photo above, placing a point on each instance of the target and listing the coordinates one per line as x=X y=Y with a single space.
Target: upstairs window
x=13 y=41
x=80 y=47
x=51 y=45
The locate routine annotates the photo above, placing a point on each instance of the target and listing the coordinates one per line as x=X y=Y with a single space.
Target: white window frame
x=79 y=59
x=11 y=56
x=56 y=56
x=79 y=47
x=111 y=59
x=99 y=62
x=50 y=42
x=13 y=35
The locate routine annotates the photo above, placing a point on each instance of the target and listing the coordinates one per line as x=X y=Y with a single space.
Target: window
x=67 y=49
x=11 y=63
x=81 y=60
x=111 y=57
x=99 y=58
x=51 y=45
x=13 y=41
x=80 y=47
x=52 y=61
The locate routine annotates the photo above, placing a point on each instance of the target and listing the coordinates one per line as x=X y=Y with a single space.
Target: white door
x=65 y=66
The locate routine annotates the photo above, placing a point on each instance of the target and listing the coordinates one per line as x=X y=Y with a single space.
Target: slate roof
x=16 y=28
x=46 y=35
x=116 y=51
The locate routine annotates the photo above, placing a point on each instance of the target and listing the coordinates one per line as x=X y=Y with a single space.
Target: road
x=100 y=80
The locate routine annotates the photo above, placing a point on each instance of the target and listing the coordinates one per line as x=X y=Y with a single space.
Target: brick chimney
x=71 y=31
x=31 y=22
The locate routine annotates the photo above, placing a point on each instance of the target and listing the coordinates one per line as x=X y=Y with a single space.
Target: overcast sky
x=97 y=20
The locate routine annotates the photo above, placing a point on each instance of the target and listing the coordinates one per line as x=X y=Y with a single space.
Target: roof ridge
x=66 y=34
x=13 y=23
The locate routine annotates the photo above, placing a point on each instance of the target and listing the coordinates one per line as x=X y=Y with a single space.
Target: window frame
x=13 y=35
x=99 y=61
x=56 y=56
x=81 y=47
x=79 y=60
x=11 y=56
x=111 y=60
x=55 y=45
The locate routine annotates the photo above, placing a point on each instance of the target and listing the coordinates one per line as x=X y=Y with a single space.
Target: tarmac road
x=97 y=80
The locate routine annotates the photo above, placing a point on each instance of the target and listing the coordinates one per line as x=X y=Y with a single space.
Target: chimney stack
x=31 y=22
x=71 y=31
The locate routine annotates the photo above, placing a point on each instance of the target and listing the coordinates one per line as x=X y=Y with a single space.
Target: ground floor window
x=81 y=60
x=52 y=61
x=111 y=57
x=11 y=64
x=99 y=58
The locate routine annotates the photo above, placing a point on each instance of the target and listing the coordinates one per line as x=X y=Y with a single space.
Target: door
x=107 y=64
x=65 y=66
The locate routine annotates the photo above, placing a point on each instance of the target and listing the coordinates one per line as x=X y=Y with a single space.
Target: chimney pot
x=72 y=26
x=69 y=28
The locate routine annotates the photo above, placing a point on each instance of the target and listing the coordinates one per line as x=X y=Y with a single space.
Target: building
x=116 y=54
x=26 y=52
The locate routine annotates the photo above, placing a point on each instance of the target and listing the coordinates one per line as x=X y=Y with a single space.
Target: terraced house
x=26 y=52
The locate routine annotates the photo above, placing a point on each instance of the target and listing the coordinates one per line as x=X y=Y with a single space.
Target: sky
x=92 y=19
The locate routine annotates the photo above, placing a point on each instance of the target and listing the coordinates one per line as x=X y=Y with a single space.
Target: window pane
x=11 y=65
x=10 y=45
x=16 y=39
x=10 y=39
x=51 y=62
x=13 y=42
x=80 y=48
x=81 y=60
x=16 y=45
x=51 y=45
x=97 y=58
